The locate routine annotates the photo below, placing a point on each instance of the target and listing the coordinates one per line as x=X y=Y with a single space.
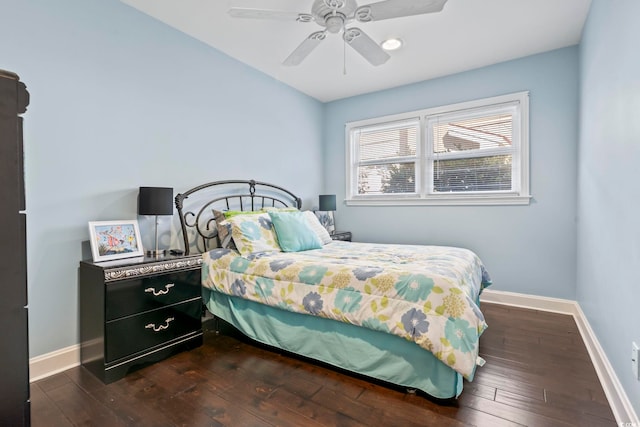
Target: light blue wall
x=119 y=100
x=527 y=249
x=608 y=260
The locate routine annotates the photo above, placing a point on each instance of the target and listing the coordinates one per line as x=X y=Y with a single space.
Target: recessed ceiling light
x=391 y=44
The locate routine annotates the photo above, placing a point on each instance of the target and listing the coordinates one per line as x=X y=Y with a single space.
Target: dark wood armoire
x=14 y=352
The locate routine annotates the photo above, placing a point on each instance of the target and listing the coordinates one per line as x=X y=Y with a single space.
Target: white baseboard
x=52 y=363
x=618 y=399
x=555 y=305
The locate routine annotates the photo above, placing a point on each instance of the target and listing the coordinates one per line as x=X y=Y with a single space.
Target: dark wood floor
x=538 y=373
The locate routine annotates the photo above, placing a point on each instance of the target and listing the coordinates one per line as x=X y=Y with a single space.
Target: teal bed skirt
x=360 y=350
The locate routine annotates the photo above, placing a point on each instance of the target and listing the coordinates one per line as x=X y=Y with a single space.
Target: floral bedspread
x=426 y=294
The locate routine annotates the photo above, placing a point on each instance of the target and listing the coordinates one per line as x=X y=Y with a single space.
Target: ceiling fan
x=335 y=15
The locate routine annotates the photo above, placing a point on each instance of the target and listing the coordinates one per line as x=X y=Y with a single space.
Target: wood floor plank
x=300 y=384
x=537 y=373
x=353 y=408
x=511 y=413
x=565 y=414
x=111 y=397
x=83 y=409
x=222 y=411
x=173 y=392
x=333 y=380
x=467 y=415
x=245 y=385
x=280 y=396
x=399 y=410
x=480 y=390
x=44 y=411
x=54 y=381
x=254 y=398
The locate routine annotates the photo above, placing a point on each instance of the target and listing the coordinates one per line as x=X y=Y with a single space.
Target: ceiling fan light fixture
x=391 y=44
x=334 y=23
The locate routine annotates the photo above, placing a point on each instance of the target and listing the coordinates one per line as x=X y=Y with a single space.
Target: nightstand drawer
x=143 y=294
x=137 y=333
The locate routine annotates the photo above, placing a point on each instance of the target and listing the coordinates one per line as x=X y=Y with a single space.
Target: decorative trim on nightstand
x=118 y=273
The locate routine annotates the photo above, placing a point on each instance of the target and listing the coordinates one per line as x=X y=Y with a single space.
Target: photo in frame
x=111 y=240
x=327 y=220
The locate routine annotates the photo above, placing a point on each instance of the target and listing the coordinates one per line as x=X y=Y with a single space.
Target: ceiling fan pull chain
x=344 y=50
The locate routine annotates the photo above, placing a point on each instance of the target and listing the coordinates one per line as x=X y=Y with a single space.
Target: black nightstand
x=341 y=235
x=138 y=311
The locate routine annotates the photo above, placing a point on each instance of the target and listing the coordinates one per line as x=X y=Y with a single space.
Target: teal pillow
x=293 y=232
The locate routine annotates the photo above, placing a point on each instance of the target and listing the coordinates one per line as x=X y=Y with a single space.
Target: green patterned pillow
x=253 y=233
x=224 y=227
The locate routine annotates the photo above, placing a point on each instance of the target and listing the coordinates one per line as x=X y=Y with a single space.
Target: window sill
x=444 y=200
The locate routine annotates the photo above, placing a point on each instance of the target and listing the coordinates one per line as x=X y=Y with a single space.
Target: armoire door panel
x=13 y=261
x=13 y=96
x=14 y=367
x=21 y=260
x=11 y=192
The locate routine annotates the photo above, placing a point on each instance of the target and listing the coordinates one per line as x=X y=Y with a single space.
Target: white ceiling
x=467 y=34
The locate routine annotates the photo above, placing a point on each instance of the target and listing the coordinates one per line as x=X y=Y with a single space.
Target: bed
x=404 y=314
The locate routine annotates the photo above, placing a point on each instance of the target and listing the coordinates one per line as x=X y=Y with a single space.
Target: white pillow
x=318 y=228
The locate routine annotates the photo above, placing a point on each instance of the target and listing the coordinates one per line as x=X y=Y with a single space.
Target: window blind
x=386 y=157
x=472 y=154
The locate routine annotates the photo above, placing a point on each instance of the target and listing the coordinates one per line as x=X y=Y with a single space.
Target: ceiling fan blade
x=365 y=46
x=241 y=12
x=397 y=8
x=305 y=48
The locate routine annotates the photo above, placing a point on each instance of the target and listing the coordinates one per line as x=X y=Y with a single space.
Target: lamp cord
x=156 y=253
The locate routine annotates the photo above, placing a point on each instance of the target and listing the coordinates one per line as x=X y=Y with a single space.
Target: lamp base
x=157 y=253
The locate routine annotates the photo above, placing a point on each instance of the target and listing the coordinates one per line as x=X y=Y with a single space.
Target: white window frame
x=517 y=103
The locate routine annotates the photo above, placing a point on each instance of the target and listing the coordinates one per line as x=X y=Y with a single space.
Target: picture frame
x=111 y=240
x=327 y=220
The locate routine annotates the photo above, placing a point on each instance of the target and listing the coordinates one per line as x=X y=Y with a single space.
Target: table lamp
x=155 y=201
x=327 y=203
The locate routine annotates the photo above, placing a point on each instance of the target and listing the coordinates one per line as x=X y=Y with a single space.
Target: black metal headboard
x=196 y=215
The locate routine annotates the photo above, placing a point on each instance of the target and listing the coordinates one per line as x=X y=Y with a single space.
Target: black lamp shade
x=155 y=201
x=327 y=202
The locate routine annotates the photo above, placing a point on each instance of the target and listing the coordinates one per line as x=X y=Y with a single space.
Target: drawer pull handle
x=161 y=291
x=161 y=327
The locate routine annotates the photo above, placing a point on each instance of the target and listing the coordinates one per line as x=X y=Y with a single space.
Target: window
x=388 y=158
x=470 y=153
